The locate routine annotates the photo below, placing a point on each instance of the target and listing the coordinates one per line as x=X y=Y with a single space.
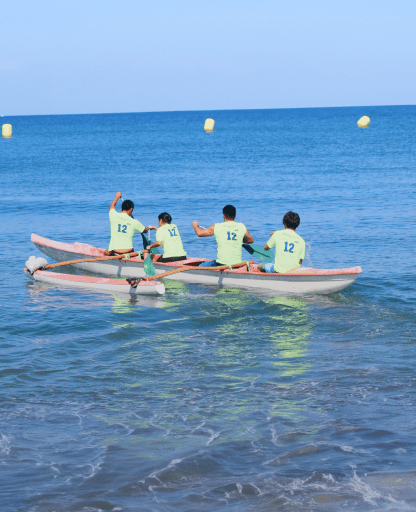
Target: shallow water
x=208 y=398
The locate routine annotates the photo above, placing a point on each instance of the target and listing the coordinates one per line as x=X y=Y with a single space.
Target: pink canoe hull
x=297 y=281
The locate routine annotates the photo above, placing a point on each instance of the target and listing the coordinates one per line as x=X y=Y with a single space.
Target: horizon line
x=204 y=110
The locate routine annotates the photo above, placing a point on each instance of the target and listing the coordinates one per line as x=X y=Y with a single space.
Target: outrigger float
x=139 y=287
x=300 y=281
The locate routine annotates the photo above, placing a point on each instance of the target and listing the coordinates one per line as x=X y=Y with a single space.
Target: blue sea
x=212 y=398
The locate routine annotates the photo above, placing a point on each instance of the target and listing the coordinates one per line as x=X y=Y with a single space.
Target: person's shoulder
x=135 y=221
x=279 y=232
x=296 y=235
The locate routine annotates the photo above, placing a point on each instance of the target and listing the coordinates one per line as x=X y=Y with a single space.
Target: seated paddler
x=123 y=226
x=290 y=247
x=229 y=235
x=167 y=236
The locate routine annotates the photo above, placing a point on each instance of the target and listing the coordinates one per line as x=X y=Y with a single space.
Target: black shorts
x=170 y=260
x=114 y=253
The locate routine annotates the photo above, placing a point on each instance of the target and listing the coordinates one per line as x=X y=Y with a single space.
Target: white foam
x=213 y=436
x=329 y=477
x=347 y=449
x=4 y=445
x=367 y=493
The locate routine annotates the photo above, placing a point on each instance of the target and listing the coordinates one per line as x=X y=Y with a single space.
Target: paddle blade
x=259 y=252
x=148 y=266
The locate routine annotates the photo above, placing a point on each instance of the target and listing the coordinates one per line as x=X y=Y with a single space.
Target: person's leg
x=117 y=253
x=266 y=267
x=172 y=259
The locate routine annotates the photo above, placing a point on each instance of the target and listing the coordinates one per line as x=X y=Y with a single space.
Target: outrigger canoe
x=102 y=284
x=299 y=281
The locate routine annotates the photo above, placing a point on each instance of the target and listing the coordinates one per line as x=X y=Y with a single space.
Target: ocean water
x=212 y=398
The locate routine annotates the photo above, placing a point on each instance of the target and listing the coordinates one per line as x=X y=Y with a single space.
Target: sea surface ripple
x=212 y=398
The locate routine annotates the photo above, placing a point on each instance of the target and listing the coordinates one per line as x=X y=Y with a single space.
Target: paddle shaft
x=87 y=260
x=185 y=269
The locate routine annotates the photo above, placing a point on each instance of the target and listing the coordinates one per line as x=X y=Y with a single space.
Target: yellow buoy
x=363 y=122
x=209 y=125
x=6 y=131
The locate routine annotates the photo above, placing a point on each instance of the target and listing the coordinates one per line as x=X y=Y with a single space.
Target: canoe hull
x=97 y=283
x=297 y=282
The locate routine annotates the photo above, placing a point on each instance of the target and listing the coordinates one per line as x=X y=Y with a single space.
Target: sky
x=100 y=56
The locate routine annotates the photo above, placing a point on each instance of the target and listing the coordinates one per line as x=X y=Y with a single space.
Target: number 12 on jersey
x=291 y=247
x=231 y=236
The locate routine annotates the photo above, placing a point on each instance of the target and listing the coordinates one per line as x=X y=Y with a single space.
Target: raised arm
x=248 y=239
x=203 y=232
x=114 y=202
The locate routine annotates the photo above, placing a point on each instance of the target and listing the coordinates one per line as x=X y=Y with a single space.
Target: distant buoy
x=209 y=125
x=363 y=122
x=6 y=131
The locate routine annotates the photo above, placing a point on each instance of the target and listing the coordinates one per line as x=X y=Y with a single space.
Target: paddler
x=290 y=247
x=167 y=236
x=230 y=236
x=123 y=227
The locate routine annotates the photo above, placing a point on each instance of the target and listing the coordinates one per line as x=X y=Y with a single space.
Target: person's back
x=167 y=236
x=290 y=247
x=123 y=226
x=171 y=240
x=229 y=236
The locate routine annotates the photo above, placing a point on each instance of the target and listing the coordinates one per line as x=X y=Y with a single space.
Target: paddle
x=148 y=265
x=146 y=242
x=185 y=269
x=87 y=260
x=257 y=251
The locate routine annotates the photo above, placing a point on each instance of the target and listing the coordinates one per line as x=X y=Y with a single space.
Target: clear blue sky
x=91 y=56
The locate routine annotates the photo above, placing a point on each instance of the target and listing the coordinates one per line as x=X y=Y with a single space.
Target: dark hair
x=292 y=220
x=126 y=205
x=165 y=217
x=229 y=211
